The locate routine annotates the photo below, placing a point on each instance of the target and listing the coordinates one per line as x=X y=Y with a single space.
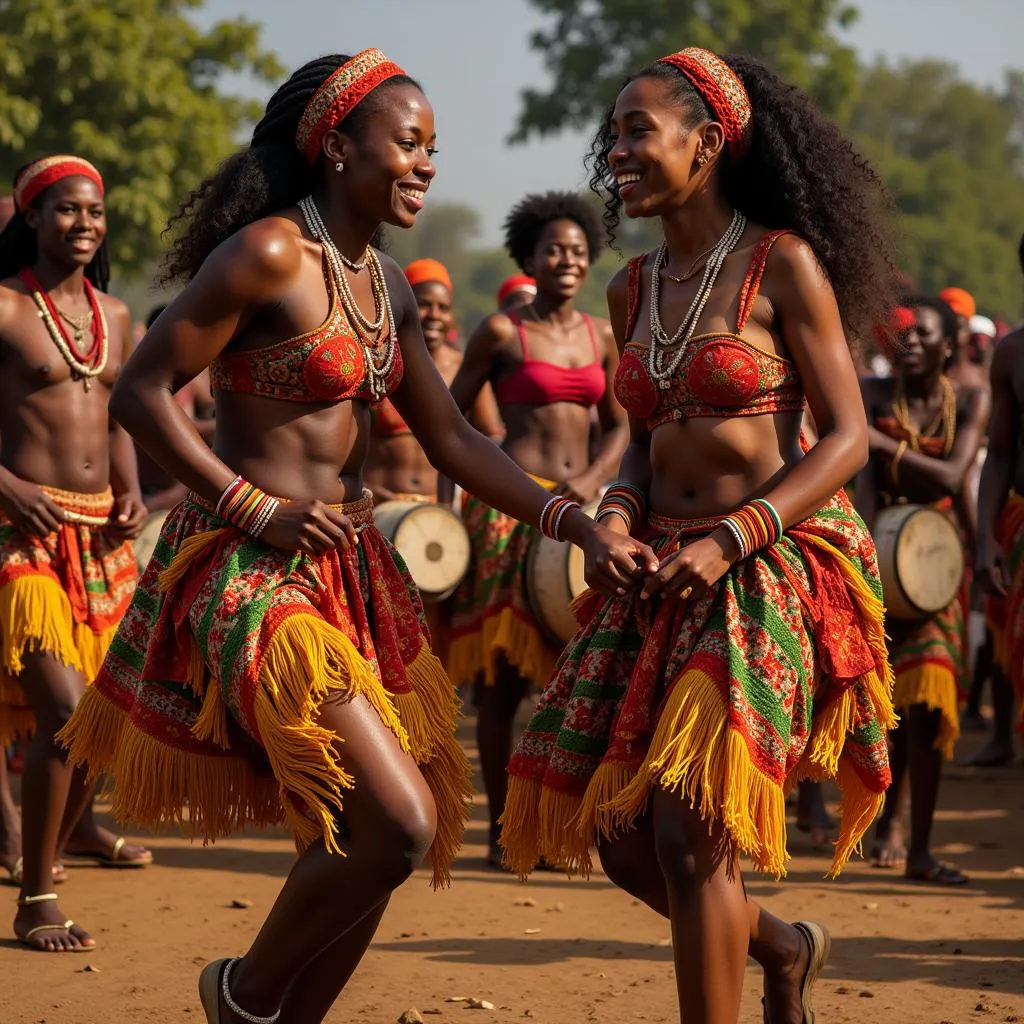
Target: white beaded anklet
x=225 y=991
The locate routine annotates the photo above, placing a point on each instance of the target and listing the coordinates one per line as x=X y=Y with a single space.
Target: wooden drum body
x=920 y=558
x=432 y=541
x=554 y=579
x=145 y=544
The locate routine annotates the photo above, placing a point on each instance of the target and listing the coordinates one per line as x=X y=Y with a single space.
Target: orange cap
x=962 y=303
x=420 y=271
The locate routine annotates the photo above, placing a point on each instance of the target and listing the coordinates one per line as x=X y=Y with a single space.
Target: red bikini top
x=387 y=420
x=721 y=375
x=536 y=382
x=327 y=364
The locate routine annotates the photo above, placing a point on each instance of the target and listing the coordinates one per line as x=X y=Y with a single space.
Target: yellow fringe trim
x=523 y=646
x=934 y=686
x=190 y=548
x=15 y=722
x=36 y=615
x=306 y=660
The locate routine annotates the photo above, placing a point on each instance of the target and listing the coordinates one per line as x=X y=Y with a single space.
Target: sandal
x=114 y=858
x=819 y=943
x=939 y=874
x=25 y=940
x=213 y=983
x=16 y=874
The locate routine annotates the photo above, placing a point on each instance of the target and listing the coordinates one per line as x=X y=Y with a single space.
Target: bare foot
x=889 y=849
x=101 y=845
x=995 y=754
x=45 y=927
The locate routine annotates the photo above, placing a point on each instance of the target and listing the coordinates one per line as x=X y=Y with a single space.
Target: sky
x=473 y=59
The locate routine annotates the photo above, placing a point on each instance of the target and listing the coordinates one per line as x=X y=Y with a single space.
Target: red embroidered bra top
x=327 y=364
x=721 y=374
x=536 y=382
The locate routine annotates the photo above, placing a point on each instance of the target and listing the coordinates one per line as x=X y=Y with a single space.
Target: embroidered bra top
x=721 y=374
x=327 y=364
x=536 y=382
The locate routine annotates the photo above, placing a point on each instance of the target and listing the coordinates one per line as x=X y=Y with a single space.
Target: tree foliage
x=135 y=87
x=593 y=44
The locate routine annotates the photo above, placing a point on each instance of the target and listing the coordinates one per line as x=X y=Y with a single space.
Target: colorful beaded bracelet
x=244 y=505
x=625 y=500
x=755 y=526
x=553 y=513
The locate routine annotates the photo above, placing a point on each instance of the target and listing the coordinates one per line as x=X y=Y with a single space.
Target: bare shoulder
x=113 y=307
x=790 y=254
x=497 y=329
x=14 y=302
x=1009 y=349
x=618 y=286
x=603 y=333
x=266 y=253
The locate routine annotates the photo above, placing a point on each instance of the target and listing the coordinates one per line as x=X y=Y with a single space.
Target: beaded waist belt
x=83 y=509
x=359 y=511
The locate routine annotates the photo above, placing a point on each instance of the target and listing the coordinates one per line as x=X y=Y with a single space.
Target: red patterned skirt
x=1005 y=616
x=63 y=594
x=209 y=695
x=778 y=673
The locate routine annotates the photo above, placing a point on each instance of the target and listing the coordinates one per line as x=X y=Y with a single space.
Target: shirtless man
x=69 y=502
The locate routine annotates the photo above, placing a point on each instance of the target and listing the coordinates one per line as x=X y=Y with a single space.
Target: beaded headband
x=41 y=174
x=724 y=92
x=338 y=96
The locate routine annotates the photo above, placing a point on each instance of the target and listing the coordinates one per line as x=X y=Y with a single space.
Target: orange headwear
x=723 y=90
x=41 y=174
x=901 y=319
x=427 y=270
x=962 y=303
x=338 y=96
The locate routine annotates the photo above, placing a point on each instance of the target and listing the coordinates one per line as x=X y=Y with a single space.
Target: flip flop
x=113 y=859
x=939 y=874
x=65 y=927
x=209 y=989
x=16 y=874
x=820 y=945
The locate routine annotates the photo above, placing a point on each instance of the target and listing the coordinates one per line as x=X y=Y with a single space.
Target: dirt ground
x=554 y=951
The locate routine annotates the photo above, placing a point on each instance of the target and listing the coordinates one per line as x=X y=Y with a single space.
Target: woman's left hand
x=616 y=562
x=691 y=570
x=130 y=515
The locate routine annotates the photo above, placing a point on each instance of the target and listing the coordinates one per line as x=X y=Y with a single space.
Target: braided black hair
x=270 y=174
x=19 y=246
x=799 y=173
x=528 y=218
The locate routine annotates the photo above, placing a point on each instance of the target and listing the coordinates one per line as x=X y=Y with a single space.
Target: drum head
x=435 y=546
x=929 y=560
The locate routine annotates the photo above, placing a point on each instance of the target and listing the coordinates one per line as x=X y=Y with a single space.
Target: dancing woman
x=551 y=367
x=755 y=656
x=274 y=664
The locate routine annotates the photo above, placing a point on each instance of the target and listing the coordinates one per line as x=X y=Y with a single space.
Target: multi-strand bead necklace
x=378 y=337
x=660 y=370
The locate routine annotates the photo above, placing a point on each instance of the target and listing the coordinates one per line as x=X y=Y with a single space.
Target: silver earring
x=702 y=159
x=339 y=167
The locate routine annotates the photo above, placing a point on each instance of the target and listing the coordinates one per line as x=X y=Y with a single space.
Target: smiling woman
x=275 y=664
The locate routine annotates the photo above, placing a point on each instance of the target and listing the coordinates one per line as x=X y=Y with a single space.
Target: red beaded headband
x=721 y=87
x=41 y=174
x=338 y=96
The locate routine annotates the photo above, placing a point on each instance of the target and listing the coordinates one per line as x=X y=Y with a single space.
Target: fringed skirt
x=209 y=696
x=63 y=594
x=1005 y=616
x=778 y=673
x=491 y=616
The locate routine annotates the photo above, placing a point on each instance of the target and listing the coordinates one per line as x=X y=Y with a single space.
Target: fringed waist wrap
x=210 y=693
x=778 y=673
x=63 y=594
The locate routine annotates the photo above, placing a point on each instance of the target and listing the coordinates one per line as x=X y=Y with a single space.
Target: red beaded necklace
x=93 y=361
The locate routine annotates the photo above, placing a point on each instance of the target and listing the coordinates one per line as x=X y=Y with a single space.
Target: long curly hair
x=270 y=174
x=799 y=173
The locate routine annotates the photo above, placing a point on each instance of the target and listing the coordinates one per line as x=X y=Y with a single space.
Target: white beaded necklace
x=378 y=367
x=657 y=368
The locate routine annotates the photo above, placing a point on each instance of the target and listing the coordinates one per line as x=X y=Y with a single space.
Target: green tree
x=593 y=44
x=135 y=87
x=952 y=155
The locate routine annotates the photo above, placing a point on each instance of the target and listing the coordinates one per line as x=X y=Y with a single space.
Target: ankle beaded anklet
x=225 y=991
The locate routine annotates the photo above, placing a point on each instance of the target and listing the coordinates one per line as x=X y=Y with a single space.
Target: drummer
x=397 y=468
x=550 y=365
x=924 y=436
